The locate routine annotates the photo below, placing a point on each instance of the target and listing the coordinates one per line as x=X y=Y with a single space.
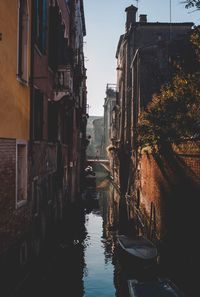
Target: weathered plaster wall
x=14 y=96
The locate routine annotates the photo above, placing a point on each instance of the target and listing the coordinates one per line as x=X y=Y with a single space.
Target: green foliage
x=110 y=149
x=192 y=3
x=174 y=114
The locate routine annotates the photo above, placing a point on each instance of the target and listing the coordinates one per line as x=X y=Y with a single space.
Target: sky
x=105 y=22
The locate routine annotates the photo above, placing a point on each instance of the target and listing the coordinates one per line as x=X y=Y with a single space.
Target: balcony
x=63 y=82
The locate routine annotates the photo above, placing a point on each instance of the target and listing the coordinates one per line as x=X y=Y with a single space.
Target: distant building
x=99 y=135
x=109 y=104
x=95 y=130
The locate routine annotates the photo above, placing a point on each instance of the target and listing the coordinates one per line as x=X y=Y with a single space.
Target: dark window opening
x=52 y=122
x=64 y=121
x=38 y=115
x=40 y=18
x=69 y=128
x=59 y=52
x=35 y=196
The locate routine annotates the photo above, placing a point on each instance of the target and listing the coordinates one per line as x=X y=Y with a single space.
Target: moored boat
x=139 y=247
x=90 y=177
x=155 y=288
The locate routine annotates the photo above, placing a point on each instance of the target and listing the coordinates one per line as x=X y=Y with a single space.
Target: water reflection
x=105 y=275
x=84 y=259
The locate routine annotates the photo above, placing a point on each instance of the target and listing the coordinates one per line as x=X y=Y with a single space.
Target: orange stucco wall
x=14 y=96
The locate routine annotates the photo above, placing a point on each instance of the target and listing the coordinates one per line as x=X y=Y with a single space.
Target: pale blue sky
x=105 y=22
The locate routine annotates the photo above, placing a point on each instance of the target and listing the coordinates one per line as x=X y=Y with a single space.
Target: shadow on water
x=84 y=259
x=60 y=268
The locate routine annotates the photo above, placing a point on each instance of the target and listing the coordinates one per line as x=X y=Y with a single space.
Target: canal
x=84 y=259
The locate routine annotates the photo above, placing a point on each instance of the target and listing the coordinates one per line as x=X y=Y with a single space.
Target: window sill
x=22 y=81
x=21 y=203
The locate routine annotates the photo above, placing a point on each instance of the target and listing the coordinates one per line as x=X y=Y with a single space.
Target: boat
x=155 y=288
x=138 y=247
x=90 y=181
x=90 y=177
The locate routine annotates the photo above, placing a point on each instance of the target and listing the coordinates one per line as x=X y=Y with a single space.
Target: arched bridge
x=99 y=164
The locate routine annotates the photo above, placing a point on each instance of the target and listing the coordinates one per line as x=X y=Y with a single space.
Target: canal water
x=85 y=260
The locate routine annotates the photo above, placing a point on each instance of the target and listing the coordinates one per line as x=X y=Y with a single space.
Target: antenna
x=137 y=7
x=170 y=18
x=137 y=2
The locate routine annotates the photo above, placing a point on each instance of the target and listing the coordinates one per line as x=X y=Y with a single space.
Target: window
x=65 y=177
x=59 y=51
x=38 y=115
x=40 y=18
x=50 y=188
x=21 y=173
x=23 y=40
x=23 y=254
x=69 y=128
x=52 y=121
x=35 y=196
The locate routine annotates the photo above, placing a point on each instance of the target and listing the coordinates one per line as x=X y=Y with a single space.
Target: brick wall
x=170 y=183
x=13 y=222
x=169 y=189
x=7 y=188
x=192 y=165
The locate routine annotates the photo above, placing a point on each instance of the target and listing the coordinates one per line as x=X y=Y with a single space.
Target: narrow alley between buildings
x=96 y=205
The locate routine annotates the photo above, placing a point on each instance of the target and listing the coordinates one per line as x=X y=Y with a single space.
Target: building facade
x=152 y=184
x=43 y=122
x=15 y=205
x=145 y=58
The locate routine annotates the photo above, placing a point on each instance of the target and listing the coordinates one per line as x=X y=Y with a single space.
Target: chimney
x=143 y=18
x=130 y=16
